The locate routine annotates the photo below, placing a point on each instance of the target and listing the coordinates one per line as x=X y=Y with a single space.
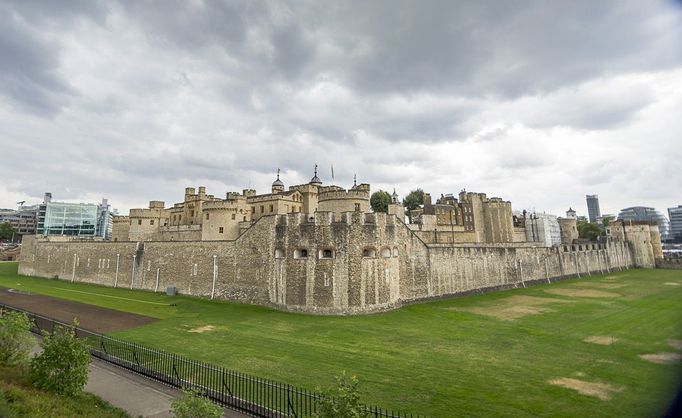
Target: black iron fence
x=249 y=394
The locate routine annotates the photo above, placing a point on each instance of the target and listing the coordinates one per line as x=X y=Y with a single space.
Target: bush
x=16 y=340
x=342 y=401
x=193 y=405
x=62 y=367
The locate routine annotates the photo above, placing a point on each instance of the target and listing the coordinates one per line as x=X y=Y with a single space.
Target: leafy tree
x=193 y=405
x=6 y=231
x=380 y=201
x=62 y=367
x=589 y=230
x=413 y=201
x=605 y=222
x=16 y=340
x=342 y=401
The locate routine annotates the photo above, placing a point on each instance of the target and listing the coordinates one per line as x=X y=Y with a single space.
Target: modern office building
x=643 y=213
x=675 y=215
x=74 y=219
x=22 y=220
x=593 y=207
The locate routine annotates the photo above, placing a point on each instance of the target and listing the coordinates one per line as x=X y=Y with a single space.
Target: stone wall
x=330 y=263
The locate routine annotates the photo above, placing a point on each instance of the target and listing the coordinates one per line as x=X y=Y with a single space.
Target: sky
x=537 y=102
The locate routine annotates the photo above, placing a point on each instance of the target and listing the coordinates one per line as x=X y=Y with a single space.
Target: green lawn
x=489 y=355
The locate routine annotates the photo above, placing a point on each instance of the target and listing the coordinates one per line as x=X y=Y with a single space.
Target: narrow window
x=357 y=207
x=271 y=208
x=369 y=253
x=301 y=253
x=279 y=253
x=234 y=216
x=139 y=221
x=220 y=230
x=386 y=253
x=191 y=213
x=244 y=218
x=262 y=208
x=253 y=210
x=207 y=216
x=326 y=253
x=151 y=222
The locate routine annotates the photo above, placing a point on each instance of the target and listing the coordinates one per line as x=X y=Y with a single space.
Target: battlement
x=337 y=193
x=156 y=204
x=230 y=204
x=325 y=218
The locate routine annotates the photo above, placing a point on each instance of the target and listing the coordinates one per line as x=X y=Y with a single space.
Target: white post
x=215 y=271
x=156 y=289
x=118 y=256
x=521 y=274
x=547 y=272
x=73 y=270
x=577 y=265
x=132 y=276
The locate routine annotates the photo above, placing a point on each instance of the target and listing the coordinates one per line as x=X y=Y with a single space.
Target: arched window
x=279 y=253
x=300 y=253
x=386 y=253
x=395 y=251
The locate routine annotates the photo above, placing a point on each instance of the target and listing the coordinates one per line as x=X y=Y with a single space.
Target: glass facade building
x=71 y=219
x=675 y=223
x=643 y=213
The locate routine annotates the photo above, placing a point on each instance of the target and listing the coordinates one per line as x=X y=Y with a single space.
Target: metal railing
x=249 y=394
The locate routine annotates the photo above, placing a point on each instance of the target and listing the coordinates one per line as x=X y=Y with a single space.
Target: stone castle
x=319 y=249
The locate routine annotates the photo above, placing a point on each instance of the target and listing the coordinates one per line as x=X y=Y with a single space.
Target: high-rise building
x=643 y=213
x=593 y=207
x=22 y=220
x=74 y=219
x=675 y=215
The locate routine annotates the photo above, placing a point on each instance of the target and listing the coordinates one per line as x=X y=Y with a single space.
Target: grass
x=455 y=357
x=19 y=399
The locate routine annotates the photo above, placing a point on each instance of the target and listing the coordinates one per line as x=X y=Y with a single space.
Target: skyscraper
x=675 y=215
x=593 y=207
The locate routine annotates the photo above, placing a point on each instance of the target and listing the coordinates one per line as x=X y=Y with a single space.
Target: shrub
x=193 y=405
x=16 y=340
x=342 y=401
x=62 y=367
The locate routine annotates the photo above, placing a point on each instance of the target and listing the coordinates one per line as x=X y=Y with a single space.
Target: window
x=139 y=221
x=395 y=251
x=271 y=208
x=386 y=253
x=326 y=253
x=191 y=213
x=262 y=208
x=179 y=217
x=234 y=216
x=357 y=207
x=207 y=216
x=244 y=218
x=220 y=230
x=279 y=253
x=301 y=253
x=369 y=253
x=253 y=210
x=151 y=222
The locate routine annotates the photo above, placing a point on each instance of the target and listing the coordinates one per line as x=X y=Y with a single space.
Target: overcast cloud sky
x=536 y=102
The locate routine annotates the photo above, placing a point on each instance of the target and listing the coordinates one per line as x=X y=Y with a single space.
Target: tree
x=342 y=401
x=62 y=367
x=589 y=230
x=413 y=201
x=380 y=201
x=16 y=340
x=6 y=231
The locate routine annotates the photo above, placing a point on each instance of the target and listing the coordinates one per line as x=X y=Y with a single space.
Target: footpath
x=138 y=396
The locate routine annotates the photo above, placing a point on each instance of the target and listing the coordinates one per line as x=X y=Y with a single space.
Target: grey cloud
x=28 y=76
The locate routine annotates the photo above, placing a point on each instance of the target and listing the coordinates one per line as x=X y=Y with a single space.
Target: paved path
x=139 y=396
